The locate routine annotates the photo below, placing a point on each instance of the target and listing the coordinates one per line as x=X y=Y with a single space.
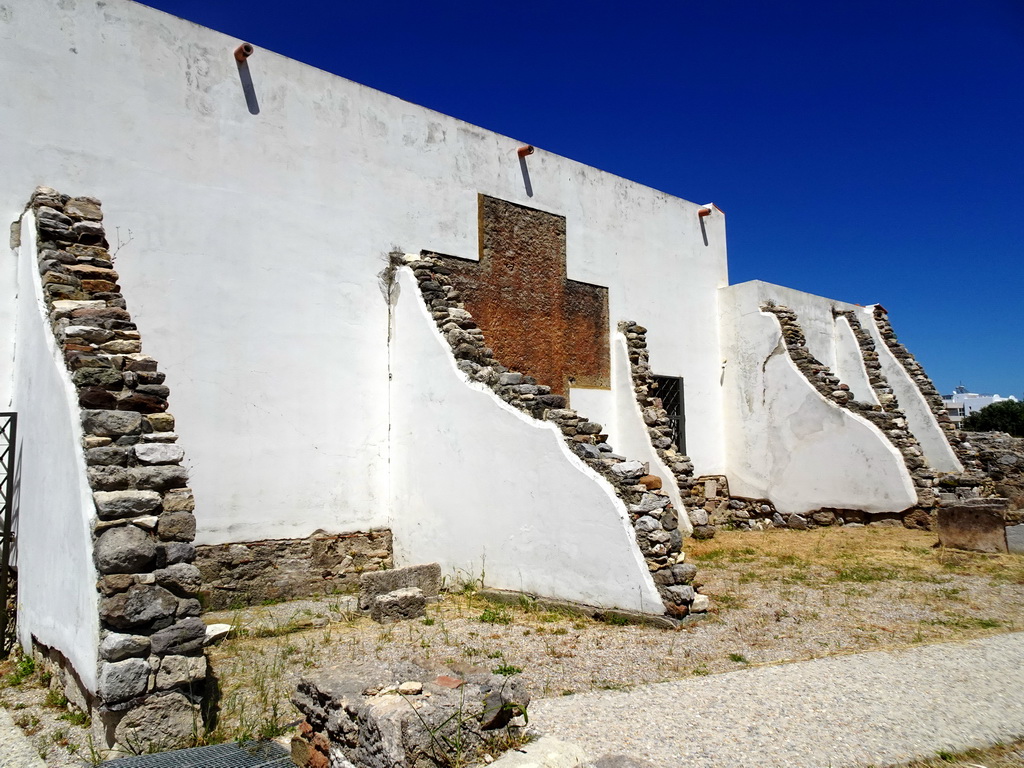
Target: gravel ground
x=777 y=597
x=866 y=709
x=16 y=751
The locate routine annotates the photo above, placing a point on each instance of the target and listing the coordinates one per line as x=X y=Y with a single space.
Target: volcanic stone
x=107 y=423
x=124 y=549
x=140 y=605
x=182 y=638
x=177 y=526
x=116 y=647
x=115 y=504
x=123 y=680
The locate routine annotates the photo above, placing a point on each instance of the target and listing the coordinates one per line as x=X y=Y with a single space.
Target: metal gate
x=8 y=468
x=670 y=390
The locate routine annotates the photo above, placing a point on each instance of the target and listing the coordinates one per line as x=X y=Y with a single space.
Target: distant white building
x=962 y=403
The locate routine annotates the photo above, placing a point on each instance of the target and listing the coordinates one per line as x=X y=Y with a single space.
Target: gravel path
x=16 y=751
x=859 y=710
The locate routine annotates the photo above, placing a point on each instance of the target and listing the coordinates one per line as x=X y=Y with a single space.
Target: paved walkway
x=860 y=710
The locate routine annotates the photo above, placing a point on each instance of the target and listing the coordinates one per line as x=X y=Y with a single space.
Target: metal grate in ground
x=248 y=754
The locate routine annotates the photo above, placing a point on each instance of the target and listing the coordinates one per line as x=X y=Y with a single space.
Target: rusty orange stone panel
x=535 y=319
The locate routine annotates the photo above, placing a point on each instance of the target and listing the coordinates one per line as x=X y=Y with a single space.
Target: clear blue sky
x=866 y=151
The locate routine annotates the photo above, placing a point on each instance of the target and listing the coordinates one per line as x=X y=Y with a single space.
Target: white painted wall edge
x=57 y=600
x=920 y=419
x=631 y=432
x=8 y=324
x=490 y=492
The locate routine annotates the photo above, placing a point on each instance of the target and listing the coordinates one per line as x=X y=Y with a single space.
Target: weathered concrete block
x=426 y=578
x=402 y=604
x=977 y=525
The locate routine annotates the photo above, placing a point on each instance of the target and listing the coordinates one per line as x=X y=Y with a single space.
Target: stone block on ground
x=400 y=605
x=359 y=711
x=977 y=525
x=163 y=722
x=426 y=577
x=1015 y=539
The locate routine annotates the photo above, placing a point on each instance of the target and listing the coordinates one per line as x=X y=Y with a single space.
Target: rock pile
x=373 y=716
x=655 y=520
x=151 y=666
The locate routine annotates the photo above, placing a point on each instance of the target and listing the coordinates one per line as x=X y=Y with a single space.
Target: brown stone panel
x=535 y=319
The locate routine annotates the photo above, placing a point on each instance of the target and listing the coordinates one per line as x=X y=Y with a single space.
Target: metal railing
x=8 y=469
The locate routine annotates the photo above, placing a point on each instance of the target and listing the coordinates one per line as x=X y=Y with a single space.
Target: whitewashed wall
x=57 y=598
x=255 y=242
x=623 y=421
x=920 y=419
x=785 y=441
x=491 y=493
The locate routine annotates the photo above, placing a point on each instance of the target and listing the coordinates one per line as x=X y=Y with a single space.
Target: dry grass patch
x=1000 y=756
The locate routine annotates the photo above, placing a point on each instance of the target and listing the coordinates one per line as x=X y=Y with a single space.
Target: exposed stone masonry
x=886 y=415
x=151 y=667
x=1002 y=457
x=655 y=520
x=659 y=428
x=968 y=457
x=705 y=507
x=251 y=572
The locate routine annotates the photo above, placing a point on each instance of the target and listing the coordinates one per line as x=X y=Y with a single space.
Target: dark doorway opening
x=670 y=390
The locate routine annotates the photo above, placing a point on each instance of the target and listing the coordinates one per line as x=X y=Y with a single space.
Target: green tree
x=1004 y=416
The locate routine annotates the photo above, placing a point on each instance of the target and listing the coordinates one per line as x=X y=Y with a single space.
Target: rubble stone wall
x=885 y=415
x=1002 y=458
x=961 y=447
x=252 y=572
x=706 y=507
x=151 y=667
x=655 y=520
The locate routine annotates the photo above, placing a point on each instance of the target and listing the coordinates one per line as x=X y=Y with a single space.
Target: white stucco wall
x=785 y=441
x=8 y=322
x=57 y=598
x=487 y=491
x=623 y=420
x=850 y=363
x=920 y=419
x=256 y=239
